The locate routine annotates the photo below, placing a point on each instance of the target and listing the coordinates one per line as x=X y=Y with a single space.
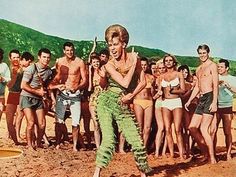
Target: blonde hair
x=117 y=31
x=159 y=62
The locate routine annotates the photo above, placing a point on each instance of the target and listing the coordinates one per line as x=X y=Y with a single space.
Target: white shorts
x=172 y=103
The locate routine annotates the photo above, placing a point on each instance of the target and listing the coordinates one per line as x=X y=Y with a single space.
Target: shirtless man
x=207 y=86
x=69 y=80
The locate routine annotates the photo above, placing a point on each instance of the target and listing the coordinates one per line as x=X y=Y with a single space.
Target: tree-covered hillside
x=14 y=36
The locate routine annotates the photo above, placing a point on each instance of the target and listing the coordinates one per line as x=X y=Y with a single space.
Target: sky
x=175 y=26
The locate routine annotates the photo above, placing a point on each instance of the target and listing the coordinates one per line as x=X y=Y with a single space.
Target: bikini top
x=96 y=82
x=172 y=83
x=149 y=82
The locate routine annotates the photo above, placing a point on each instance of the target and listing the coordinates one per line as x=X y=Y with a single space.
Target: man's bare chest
x=69 y=69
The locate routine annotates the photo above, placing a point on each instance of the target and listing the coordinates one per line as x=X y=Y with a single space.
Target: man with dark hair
x=227 y=86
x=5 y=76
x=104 y=56
x=70 y=79
x=207 y=87
x=33 y=92
x=14 y=92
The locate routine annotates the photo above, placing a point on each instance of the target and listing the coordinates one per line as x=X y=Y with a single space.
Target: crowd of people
x=129 y=99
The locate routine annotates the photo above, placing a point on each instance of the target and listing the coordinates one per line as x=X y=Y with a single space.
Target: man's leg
x=214 y=128
x=10 y=113
x=40 y=113
x=60 y=116
x=227 y=121
x=196 y=134
x=75 y=134
x=30 y=117
x=2 y=103
x=19 y=117
x=75 y=109
x=204 y=127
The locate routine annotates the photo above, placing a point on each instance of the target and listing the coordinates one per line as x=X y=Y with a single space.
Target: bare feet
x=183 y=157
x=157 y=156
x=121 y=151
x=97 y=172
x=20 y=139
x=75 y=149
x=213 y=160
x=163 y=154
x=58 y=147
x=229 y=157
x=31 y=148
x=142 y=174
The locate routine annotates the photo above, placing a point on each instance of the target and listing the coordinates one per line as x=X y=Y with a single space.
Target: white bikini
x=172 y=83
x=171 y=103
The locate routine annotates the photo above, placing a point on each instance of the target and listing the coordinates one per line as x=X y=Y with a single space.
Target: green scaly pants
x=109 y=109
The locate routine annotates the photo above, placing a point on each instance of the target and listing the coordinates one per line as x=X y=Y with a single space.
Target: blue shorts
x=30 y=102
x=64 y=102
x=2 y=89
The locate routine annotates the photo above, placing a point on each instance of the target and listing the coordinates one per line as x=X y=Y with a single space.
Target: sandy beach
x=65 y=163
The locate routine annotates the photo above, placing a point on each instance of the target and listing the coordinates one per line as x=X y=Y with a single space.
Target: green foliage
x=14 y=36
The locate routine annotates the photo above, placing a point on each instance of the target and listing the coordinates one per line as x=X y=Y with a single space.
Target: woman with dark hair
x=187 y=115
x=97 y=83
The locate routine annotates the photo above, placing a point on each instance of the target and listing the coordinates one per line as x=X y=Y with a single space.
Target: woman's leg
x=160 y=130
x=177 y=117
x=97 y=136
x=139 y=115
x=167 y=117
x=148 y=114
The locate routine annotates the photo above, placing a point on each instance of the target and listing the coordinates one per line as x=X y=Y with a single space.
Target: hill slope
x=25 y=39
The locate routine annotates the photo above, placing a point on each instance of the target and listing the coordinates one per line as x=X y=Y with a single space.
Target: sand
x=50 y=162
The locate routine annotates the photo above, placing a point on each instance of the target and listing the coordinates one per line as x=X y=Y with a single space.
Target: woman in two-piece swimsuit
x=172 y=85
x=187 y=115
x=158 y=113
x=97 y=83
x=143 y=103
